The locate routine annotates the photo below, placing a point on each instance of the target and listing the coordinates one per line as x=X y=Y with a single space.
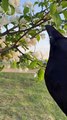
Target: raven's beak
x=49 y=29
x=53 y=32
x=54 y=35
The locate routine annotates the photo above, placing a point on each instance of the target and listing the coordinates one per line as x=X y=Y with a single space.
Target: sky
x=22 y=1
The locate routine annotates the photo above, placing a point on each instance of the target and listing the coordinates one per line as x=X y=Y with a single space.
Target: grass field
x=22 y=98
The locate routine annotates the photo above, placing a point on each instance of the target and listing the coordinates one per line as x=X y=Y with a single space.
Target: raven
x=56 y=69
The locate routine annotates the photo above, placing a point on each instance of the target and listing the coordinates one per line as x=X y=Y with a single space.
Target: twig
x=5 y=50
x=15 y=44
x=37 y=33
x=7 y=32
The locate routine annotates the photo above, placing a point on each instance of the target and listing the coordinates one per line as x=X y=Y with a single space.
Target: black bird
x=56 y=69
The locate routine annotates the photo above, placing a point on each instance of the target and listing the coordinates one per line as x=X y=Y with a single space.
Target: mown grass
x=23 y=98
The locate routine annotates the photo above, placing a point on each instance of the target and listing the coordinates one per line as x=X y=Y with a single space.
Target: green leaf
x=32 y=32
x=28 y=18
x=39 y=15
x=46 y=3
x=41 y=74
x=55 y=15
x=61 y=31
x=64 y=4
x=1 y=67
x=22 y=40
x=41 y=4
x=26 y=10
x=33 y=64
x=36 y=3
x=53 y=8
x=65 y=14
x=21 y=17
x=65 y=27
x=38 y=37
x=40 y=62
x=11 y=10
x=57 y=19
x=51 y=0
x=5 y=5
x=14 y=64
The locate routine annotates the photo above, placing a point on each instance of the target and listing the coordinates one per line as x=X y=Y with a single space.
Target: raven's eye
x=50 y=37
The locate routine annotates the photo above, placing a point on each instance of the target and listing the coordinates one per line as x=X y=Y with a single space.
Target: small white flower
x=23 y=21
x=15 y=3
x=4 y=20
x=28 y=4
x=15 y=56
x=35 y=75
x=27 y=40
x=32 y=42
x=18 y=10
x=14 y=19
x=59 y=9
x=3 y=45
x=42 y=35
x=2 y=39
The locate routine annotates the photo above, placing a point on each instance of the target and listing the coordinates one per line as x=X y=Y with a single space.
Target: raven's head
x=58 y=43
x=54 y=35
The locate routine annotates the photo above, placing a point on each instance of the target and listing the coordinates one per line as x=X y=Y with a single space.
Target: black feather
x=56 y=70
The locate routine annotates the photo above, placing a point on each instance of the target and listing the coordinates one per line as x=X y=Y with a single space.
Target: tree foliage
x=21 y=26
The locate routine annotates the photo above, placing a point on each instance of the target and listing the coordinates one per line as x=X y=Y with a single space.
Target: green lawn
x=22 y=98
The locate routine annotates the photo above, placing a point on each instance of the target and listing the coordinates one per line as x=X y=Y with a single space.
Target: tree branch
x=5 y=50
x=20 y=31
x=7 y=32
x=37 y=33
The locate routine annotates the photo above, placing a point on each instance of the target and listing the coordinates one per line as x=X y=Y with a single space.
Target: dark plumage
x=56 y=70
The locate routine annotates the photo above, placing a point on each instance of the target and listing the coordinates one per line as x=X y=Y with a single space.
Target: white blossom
x=2 y=40
x=59 y=9
x=14 y=19
x=4 y=20
x=3 y=45
x=37 y=54
x=42 y=35
x=28 y=4
x=23 y=21
x=18 y=10
x=30 y=42
x=15 y=56
x=33 y=41
x=15 y=3
x=35 y=75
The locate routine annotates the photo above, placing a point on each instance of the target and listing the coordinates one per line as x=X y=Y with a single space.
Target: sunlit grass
x=22 y=98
